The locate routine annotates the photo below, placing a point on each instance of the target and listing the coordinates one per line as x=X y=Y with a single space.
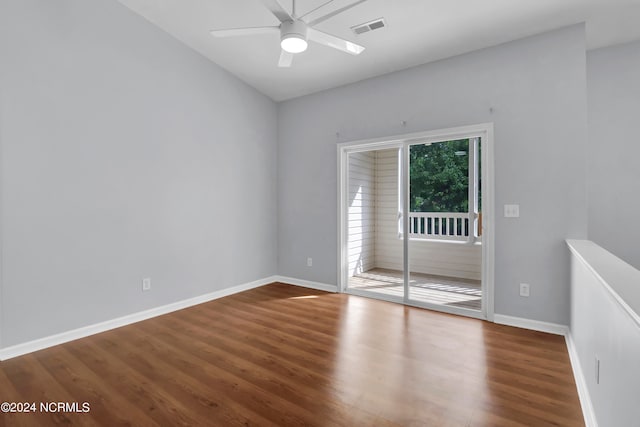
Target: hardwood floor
x=281 y=355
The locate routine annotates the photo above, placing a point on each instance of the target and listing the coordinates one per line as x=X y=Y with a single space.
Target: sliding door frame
x=485 y=132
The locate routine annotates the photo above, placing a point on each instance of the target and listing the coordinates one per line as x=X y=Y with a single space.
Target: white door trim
x=485 y=132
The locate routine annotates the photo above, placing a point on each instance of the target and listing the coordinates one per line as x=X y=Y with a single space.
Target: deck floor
x=422 y=287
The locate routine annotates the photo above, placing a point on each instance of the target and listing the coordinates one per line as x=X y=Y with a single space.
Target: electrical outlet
x=146 y=284
x=524 y=289
x=309 y=262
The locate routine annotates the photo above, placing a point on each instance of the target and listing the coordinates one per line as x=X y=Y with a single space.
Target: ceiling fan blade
x=276 y=8
x=334 y=42
x=286 y=59
x=317 y=8
x=334 y=13
x=248 y=31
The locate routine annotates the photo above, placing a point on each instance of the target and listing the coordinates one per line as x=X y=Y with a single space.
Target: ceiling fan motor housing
x=293 y=29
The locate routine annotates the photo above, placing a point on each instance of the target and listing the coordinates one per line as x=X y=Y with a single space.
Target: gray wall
x=614 y=149
x=124 y=155
x=537 y=89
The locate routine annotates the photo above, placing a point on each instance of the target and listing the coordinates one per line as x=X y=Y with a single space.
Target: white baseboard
x=534 y=325
x=42 y=343
x=581 y=384
x=306 y=283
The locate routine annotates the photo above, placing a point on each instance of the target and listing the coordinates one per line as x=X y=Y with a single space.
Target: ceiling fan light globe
x=293 y=44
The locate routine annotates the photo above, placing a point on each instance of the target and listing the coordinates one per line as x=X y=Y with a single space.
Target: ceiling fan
x=295 y=31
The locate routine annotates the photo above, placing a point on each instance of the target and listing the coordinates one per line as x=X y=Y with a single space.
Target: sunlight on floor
x=422 y=287
x=304 y=297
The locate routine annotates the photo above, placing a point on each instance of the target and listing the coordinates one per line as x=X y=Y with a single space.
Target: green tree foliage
x=439 y=177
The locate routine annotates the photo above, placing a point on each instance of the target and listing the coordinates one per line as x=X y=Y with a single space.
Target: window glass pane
x=439 y=177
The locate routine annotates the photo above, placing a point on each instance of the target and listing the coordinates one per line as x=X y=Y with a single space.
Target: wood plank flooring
x=281 y=355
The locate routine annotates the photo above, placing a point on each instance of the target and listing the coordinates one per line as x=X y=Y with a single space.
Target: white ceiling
x=418 y=31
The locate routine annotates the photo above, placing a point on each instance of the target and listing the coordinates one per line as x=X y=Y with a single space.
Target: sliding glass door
x=411 y=221
x=374 y=247
x=444 y=231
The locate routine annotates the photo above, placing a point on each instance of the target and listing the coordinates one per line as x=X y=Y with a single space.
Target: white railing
x=442 y=226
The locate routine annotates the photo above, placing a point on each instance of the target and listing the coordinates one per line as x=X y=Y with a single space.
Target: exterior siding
x=361 y=212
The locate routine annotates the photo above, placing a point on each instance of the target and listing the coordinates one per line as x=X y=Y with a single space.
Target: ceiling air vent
x=369 y=26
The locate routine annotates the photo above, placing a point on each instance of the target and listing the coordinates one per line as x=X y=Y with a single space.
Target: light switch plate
x=511 y=211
